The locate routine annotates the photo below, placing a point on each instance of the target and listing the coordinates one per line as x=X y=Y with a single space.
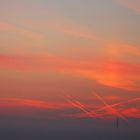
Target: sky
x=70 y=66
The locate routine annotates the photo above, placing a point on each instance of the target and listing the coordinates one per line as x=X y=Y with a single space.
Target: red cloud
x=24 y=107
x=32 y=103
x=132 y=112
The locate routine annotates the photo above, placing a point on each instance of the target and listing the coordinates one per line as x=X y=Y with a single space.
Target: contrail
x=82 y=107
x=114 y=111
x=119 y=103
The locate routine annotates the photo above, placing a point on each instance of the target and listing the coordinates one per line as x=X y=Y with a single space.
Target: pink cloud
x=131 y=4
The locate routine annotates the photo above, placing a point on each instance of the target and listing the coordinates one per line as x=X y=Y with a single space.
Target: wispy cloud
x=12 y=28
x=60 y=24
x=118 y=49
x=108 y=72
x=131 y=4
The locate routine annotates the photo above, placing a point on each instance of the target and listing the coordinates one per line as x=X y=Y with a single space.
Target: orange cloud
x=120 y=49
x=131 y=4
x=15 y=29
x=111 y=73
x=112 y=98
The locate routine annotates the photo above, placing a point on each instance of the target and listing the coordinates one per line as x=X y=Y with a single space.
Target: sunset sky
x=69 y=59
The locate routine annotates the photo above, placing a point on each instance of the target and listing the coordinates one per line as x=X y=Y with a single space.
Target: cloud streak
x=32 y=103
x=66 y=109
x=12 y=28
